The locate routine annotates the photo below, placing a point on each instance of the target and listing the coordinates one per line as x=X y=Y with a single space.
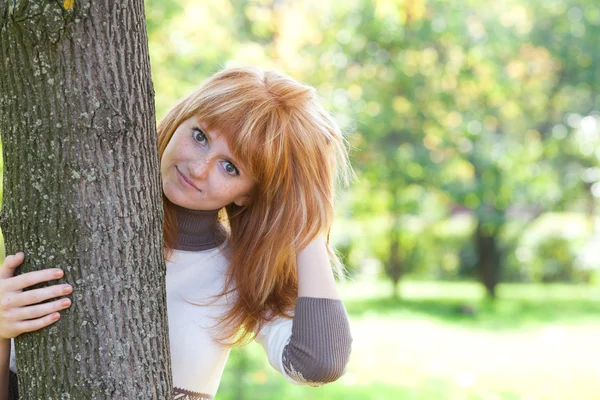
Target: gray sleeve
x=13 y=384
x=13 y=357
x=320 y=345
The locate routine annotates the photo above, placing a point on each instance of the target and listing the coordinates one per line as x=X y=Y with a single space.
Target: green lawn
x=535 y=343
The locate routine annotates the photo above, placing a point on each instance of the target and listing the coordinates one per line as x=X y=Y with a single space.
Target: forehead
x=212 y=131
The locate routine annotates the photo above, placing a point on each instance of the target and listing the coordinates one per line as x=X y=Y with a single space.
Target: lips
x=184 y=180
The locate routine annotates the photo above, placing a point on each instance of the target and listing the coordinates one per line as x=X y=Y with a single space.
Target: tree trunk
x=82 y=192
x=488 y=260
x=394 y=265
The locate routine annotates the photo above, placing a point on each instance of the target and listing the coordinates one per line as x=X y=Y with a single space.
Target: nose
x=199 y=168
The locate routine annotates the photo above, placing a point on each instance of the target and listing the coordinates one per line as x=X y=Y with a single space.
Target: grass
x=535 y=343
x=518 y=305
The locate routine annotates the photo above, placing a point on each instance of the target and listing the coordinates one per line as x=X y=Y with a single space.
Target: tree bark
x=82 y=192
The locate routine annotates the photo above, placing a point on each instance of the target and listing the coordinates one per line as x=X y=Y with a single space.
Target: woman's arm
x=315 y=276
x=314 y=347
x=320 y=345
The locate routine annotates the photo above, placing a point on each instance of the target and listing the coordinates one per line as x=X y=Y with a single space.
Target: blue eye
x=199 y=136
x=230 y=168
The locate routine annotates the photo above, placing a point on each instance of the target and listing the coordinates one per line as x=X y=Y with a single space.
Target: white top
x=198 y=360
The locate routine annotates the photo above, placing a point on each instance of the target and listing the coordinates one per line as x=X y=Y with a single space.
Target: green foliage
x=556 y=248
x=490 y=109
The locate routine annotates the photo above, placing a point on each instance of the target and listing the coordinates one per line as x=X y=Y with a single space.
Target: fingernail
x=58 y=273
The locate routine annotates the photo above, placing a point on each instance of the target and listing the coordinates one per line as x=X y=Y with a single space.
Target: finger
x=34 y=296
x=36 y=324
x=32 y=278
x=10 y=263
x=40 y=310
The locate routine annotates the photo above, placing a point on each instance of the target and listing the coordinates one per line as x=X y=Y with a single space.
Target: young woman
x=248 y=163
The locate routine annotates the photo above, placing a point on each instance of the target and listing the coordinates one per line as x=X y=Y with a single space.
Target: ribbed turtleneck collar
x=197 y=229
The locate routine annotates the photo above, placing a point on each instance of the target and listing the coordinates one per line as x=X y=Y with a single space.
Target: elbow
x=326 y=373
x=320 y=368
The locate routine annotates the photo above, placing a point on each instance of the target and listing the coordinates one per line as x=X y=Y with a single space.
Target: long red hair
x=295 y=152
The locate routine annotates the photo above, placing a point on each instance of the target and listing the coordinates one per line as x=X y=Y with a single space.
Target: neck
x=197 y=230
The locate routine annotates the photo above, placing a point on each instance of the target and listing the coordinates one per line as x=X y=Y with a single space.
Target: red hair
x=295 y=151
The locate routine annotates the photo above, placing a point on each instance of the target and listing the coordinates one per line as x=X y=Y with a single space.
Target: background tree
x=82 y=192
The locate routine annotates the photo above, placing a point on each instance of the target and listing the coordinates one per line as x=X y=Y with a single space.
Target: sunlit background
x=471 y=234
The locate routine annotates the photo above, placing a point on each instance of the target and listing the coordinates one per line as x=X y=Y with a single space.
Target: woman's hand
x=20 y=311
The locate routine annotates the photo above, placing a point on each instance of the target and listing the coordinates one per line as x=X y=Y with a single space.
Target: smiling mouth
x=184 y=179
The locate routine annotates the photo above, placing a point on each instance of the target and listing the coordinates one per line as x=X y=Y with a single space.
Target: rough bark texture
x=82 y=192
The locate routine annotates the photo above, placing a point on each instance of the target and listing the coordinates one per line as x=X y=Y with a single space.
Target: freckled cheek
x=176 y=149
x=225 y=189
x=180 y=154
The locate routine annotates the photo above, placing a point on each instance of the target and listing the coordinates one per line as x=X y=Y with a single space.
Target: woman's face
x=199 y=172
